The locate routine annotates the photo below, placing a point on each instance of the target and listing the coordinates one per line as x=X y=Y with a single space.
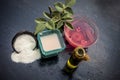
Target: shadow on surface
x=70 y=76
x=48 y=61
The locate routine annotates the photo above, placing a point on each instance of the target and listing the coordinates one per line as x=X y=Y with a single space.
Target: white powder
x=26 y=56
x=23 y=42
x=50 y=42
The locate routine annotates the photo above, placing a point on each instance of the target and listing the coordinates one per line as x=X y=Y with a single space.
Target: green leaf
x=70 y=3
x=59 y=6
x=51 y=9
x=69 y=11
x=47 y=15
x=39 y=28
x=50 y=25
x=56 y=16
x=55 y=13
x=68 y=19
x=69 y=25
x=66 y=15
x=55 y=19
x=60 y=24
x=40 y=20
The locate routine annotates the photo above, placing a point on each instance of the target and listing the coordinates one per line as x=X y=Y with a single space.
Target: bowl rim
x=19 y=34
x=51 y=52
x=88 y=20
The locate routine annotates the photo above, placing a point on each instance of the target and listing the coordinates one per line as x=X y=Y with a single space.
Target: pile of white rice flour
x=25 y=44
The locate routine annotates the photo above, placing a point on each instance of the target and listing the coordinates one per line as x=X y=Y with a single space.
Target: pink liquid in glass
x=84 y=33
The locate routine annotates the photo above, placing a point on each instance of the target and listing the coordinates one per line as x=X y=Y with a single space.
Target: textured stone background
x=18 y=15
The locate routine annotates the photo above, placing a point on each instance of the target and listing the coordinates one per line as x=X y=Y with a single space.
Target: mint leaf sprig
x=57 y=17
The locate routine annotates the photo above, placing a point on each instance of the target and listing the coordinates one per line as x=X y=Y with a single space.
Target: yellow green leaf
x=39 y=28
x=40 y=20
x=59 y=6
x=70 y=3
x=50 y=25
x=68 y=10
x=47 y=15
x=69 y=25
x=59 y=24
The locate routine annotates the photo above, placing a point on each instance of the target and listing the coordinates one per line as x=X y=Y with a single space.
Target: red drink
x=84 y=33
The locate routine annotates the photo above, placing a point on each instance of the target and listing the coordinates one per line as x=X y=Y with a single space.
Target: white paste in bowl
x=24 y=42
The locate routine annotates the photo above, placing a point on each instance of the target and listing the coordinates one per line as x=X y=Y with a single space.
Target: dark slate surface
x=18 y=15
